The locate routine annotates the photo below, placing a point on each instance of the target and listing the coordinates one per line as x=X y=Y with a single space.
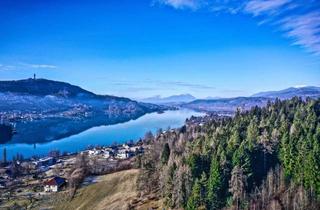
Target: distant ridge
x=229 y=105
x=226 y=105
x=175 y=99
x=306 y=91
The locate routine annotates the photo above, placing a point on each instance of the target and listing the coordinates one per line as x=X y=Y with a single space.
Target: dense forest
x=264 y=158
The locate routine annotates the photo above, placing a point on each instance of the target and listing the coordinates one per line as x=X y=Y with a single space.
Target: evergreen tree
x=195 y=198
x=165 y=154
x=214 y=200
x=252 y=134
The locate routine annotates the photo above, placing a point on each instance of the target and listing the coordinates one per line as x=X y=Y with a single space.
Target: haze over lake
x=105 y=135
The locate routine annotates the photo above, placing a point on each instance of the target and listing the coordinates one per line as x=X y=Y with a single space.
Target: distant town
x=14 y=116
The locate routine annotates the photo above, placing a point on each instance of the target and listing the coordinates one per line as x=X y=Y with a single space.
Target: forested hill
x=45 y=110
x=44 y=87
x=264 y=158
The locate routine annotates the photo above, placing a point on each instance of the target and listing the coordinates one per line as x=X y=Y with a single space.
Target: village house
x=124 y=154
x=54 y=184
x=107 y=153
x=45 y=162
x=94 y=152
x=126 y=146
x=136 y=149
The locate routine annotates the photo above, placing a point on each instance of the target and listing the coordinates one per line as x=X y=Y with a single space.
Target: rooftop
x=55 y=181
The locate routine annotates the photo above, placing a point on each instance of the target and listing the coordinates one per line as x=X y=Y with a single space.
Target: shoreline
x=104 y=135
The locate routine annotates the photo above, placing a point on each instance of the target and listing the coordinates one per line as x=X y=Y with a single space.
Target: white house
x=54 y=184
x=94 y=152
x=123 y=154
x=107 y=153
x=126 y=146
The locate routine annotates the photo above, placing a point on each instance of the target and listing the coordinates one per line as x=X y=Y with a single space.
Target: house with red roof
x=54 y=184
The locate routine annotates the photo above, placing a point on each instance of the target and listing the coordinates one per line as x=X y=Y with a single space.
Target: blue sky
x=144 y=48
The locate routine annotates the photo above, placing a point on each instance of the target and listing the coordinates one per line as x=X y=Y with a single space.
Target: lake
x=104 y=135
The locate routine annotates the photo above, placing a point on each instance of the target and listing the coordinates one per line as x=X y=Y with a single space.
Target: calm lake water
x=104 y=135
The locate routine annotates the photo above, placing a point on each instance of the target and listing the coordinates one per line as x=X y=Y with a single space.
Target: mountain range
x=306 y=91
x=171 y=100
x=229 y=105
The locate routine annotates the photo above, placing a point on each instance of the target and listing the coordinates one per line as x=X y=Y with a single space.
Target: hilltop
x=45 y=87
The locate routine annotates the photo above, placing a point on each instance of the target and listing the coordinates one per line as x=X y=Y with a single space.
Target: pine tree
x=195 y=198
x=214 y=199
x=235 y=140
x=165 y=154
x=203 y=193
x=252 y=133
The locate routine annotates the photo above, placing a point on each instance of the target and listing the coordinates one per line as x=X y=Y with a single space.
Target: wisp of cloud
x=299 y=20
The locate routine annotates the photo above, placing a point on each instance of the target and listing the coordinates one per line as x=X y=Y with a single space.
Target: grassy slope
x=115 y=191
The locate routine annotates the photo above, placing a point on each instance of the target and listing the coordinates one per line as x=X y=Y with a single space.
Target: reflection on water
x=6 y=133
x=106 y=135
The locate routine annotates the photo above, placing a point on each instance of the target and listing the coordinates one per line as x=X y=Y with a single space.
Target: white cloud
x=300 y=86
x=298 y=19
x=45 y=66
x=182 y=4
x=159 y=83
x=304 y=30
x=20 y=65
x=38 y=66
x=258 y=7
x=6 y=67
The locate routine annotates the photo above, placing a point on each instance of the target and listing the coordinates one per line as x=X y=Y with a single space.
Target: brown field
x=114 y=191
